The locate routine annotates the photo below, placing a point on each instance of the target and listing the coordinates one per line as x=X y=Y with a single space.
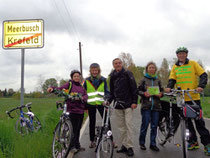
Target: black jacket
x=123 y=88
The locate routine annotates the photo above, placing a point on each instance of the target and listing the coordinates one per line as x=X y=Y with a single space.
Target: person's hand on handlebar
x=105 y=103
x=50 y=90
x=167 y=90
x=199 y=89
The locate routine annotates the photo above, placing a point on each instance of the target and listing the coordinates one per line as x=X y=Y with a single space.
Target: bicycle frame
x=180 y=94
x=23 y=121
x=103 y=131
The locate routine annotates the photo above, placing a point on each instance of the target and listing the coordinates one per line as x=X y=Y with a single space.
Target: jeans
x=147 y=117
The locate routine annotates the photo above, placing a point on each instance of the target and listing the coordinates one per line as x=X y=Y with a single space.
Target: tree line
x=128 y=63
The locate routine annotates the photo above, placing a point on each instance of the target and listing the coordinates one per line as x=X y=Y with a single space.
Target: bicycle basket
x=193 y=112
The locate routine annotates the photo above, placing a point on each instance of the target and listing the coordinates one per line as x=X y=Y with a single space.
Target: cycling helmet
x=73 y=72
x=181 y=49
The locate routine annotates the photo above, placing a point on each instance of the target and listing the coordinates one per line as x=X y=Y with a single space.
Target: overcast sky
x=148 y=30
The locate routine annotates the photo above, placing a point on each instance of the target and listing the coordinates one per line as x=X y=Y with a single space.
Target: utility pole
x=80 y=57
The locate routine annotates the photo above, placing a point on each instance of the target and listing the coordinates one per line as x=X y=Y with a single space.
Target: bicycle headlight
x=187 y=132
x=109 y=133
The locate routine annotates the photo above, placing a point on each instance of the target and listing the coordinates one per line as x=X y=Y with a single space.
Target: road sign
x=23 y=34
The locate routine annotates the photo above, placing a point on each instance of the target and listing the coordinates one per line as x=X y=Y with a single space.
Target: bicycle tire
x=184 y=138
x=163 y=131
x=21 y=127
x=36 y=124
x=105 y=149
x=63 y=134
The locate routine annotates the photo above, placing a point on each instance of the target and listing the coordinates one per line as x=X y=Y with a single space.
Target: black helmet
x=94 y=65
x=181 y=49
x=73 y=72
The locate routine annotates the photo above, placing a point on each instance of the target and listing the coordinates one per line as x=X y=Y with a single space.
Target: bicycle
x=104 y=143
x=185 y=112
x=63 y=132
x=27 y=122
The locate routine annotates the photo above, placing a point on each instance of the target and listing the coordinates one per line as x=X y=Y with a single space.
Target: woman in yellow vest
x=95 y=86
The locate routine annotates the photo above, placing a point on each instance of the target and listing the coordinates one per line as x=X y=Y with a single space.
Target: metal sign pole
x=22 y=76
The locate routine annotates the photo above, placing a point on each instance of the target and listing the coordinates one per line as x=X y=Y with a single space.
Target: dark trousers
x=92 y=119
x=201 y=128
x=76 y=121
x=149 y=116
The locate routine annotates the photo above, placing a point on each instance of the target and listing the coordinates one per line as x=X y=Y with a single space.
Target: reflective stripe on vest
x=94 y=97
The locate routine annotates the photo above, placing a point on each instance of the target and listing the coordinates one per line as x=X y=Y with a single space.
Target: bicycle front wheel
x=163 y=131
x=184 y=138
x=21 y=127
x=105 y=149
x=36 y=123
x=62 y=138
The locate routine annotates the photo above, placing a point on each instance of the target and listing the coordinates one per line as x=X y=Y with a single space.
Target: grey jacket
x=153 y=102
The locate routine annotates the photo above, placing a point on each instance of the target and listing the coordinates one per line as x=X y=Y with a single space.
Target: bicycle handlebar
x=61 y=93
x=59 y=105
x=28 y=105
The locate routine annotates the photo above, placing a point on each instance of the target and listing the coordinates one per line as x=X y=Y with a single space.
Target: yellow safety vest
x=93 y=94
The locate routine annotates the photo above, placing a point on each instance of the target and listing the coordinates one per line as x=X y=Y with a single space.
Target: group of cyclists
x=122 y=87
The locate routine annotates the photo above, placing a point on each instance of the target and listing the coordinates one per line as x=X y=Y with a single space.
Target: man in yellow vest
x=95 y=86
x=185 y=74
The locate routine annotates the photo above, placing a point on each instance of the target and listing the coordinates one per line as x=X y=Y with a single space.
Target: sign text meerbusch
x=23 y=34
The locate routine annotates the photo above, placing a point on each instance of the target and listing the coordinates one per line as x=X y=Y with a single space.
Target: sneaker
x=207 y=150
x=130 y=152
x=154 y=148
x=123 y=149
x=142 y=147
x=193 y=145
x=92 y=145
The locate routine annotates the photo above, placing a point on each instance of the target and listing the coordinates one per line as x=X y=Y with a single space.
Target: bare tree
x=126 y=59
x=164 y=72
x=40 y=83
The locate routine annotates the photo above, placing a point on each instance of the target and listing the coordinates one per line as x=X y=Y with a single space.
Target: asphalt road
x=169 y=150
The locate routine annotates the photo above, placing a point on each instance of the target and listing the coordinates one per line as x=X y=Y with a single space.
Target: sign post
x=22 y=34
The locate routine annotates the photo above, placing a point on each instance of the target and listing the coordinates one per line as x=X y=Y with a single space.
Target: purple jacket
x=76 y=107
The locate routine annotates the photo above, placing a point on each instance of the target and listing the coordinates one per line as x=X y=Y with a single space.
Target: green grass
x=34 y=145
x=205 y=103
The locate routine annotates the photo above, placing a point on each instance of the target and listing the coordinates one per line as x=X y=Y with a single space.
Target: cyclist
x=123 y=88
x=150 y=90
x=76 y=107
x=185 y=74
x=95 y=84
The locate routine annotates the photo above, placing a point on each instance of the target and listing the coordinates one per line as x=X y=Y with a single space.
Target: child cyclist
x=76 y=108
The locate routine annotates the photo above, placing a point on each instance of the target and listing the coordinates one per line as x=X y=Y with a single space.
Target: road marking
x=207 y=119
x=83 y=127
